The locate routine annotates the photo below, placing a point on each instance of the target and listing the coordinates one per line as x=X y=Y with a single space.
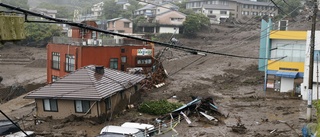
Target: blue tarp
x=287 y=74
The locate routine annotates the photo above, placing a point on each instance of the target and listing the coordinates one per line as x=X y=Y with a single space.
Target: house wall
x=305 y=84
x=166 y=18
x=76 y=32
x=284 y=43
x=92 y=55
x=169 y=30
x=118 y=25
x=65 y=109
x=238 y=10
x=120 y=102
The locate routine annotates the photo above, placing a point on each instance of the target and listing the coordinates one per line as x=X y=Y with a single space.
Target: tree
x=128 y=13
x=288 y=6
x=19 y=3
x=111 y=9
x=40 y=32
x=183 y=9
x=194 y=23
x=62 y=11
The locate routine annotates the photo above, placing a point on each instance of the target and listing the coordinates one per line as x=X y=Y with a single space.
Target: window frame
x=111 y=61
x=126 y=24
x=57 y=55
x=83 y=110
x=54 y=78
x=69 y=64
x=51 y=101
x=108 y=103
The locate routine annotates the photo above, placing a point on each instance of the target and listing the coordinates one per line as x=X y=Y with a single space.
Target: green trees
x=113 y=10
x=37 y=33
x=194 y=23
x=19 y=3
x=63 y=11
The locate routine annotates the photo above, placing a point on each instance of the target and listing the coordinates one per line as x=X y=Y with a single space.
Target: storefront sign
x=144 y=52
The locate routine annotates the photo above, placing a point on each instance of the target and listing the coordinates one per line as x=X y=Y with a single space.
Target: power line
x=191 y=50
x=263 y=36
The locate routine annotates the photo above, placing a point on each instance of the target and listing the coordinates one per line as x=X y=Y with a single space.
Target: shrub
x=158 y=107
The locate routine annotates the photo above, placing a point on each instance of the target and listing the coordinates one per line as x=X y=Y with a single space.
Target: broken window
x=70 y=63
x=55 y=60
x=82 y=106
x=50 y=105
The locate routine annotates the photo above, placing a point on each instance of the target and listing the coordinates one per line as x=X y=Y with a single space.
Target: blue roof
x=287 y=74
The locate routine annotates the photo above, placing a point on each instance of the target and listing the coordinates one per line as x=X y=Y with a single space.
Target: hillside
x=234 y=83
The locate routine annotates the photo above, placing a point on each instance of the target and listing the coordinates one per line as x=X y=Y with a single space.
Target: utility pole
x=311 y=61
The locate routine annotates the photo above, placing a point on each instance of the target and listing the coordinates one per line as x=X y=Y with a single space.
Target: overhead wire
x=253 y=35
x=80 y=25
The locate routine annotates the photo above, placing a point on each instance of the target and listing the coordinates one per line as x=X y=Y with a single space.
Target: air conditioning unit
x=99 y=42
x=84 y=43
x=95 y=42
x=283 y=25
x=90 y=41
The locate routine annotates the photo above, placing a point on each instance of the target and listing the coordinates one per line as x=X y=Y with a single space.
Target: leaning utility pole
x=311 y=61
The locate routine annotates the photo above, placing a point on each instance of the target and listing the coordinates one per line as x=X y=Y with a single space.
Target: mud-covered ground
x=233 y=82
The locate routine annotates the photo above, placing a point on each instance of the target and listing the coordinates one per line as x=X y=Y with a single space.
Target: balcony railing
x=96 y=42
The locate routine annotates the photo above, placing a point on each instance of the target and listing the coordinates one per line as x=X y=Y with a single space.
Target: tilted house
x=90 y=91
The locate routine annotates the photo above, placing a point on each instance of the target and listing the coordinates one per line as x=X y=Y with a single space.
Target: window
x=295 y=52
x=144 y=61
x=123 y=50
x=55 y=60
x=50 y=105
x=123 y=59
x=82 y=106
x=94 y=35
x=108 y=103
x=70 y=63
x=54 y=78
x=126 y=24
x=114 y=63
x=223 y=12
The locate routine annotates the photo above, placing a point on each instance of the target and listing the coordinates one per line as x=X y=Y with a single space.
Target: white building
x=305 y=87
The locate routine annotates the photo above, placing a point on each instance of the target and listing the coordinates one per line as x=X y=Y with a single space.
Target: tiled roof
x=254 y=3
x=86 y=84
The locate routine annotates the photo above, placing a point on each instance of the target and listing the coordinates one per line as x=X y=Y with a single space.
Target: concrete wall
x=166 y=18
x=169 y=30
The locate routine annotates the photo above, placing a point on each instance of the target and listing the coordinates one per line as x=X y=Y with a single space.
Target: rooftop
x=86 y=84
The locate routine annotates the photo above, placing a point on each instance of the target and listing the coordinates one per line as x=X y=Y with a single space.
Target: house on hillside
x=91 y=91
x=120 y=25
x=123 y=3
x=47 y=12
x=164 y=18
x=240 y=10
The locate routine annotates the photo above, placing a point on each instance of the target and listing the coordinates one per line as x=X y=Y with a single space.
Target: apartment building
x=220 y=10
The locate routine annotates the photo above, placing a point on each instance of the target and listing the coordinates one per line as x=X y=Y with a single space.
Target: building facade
x=120 y=25
x=63 y=59
x=285 y=51
x=238 y=9
x=83 y=47
x=316 y=79
x=159 y=19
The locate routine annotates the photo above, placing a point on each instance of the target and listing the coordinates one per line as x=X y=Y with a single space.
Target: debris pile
x=199 y=107
x=156 y=78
